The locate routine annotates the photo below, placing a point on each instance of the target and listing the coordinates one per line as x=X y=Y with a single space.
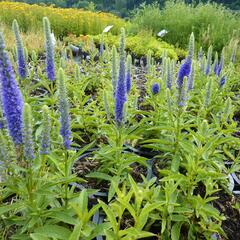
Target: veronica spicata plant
x=22 y=67
x=28 y=133
x=65 y=130
x=49 y=46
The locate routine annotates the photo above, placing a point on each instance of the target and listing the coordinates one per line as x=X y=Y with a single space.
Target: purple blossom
x=120 y=95
x=128 y=74
x=215 y=65
x=12 y=100
x=49 y=45
x=170 y=73
x=155 y=88
x=184 y=71
x=185 y=68
x=128 y=82
x=222 y=81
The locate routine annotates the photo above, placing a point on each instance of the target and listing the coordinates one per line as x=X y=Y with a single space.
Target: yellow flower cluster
x=63 y=21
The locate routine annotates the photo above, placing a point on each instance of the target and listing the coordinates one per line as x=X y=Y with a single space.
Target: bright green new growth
x=28 y=132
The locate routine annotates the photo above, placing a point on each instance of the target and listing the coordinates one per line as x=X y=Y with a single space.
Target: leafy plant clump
x=102 y=148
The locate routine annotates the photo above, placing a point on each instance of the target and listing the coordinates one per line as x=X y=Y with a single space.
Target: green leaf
x=76 y=232
x=7 y=208
x=54 y=231
x=175 y=231
x=110 y=215
x=38 y=236
x=83 y=202
x=63 y=216
x=100 y=175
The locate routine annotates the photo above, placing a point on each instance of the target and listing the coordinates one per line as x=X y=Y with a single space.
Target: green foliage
x=157 y=175
x=211 y=23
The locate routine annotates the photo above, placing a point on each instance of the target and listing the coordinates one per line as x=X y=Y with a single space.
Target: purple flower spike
x=121 y=91
x=12 y=100
x=185 y=68
x=49 y=45
x=184 y=71
x=128 y=74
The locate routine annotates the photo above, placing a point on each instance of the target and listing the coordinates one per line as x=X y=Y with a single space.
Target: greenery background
x=123 y=7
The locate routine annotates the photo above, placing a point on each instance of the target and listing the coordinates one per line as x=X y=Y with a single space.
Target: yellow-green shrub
x=139 y=44
x=63 y=21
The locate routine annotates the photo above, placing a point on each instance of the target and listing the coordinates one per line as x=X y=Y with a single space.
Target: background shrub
x=211 y=23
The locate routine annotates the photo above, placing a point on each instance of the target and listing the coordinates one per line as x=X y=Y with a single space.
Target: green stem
x=176 y=160
x=66 y=176
x=119 y=150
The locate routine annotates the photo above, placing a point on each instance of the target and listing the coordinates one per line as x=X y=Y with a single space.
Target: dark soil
x=231 y=225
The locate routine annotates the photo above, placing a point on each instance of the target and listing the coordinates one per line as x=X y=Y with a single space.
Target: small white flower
x=162 y=33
